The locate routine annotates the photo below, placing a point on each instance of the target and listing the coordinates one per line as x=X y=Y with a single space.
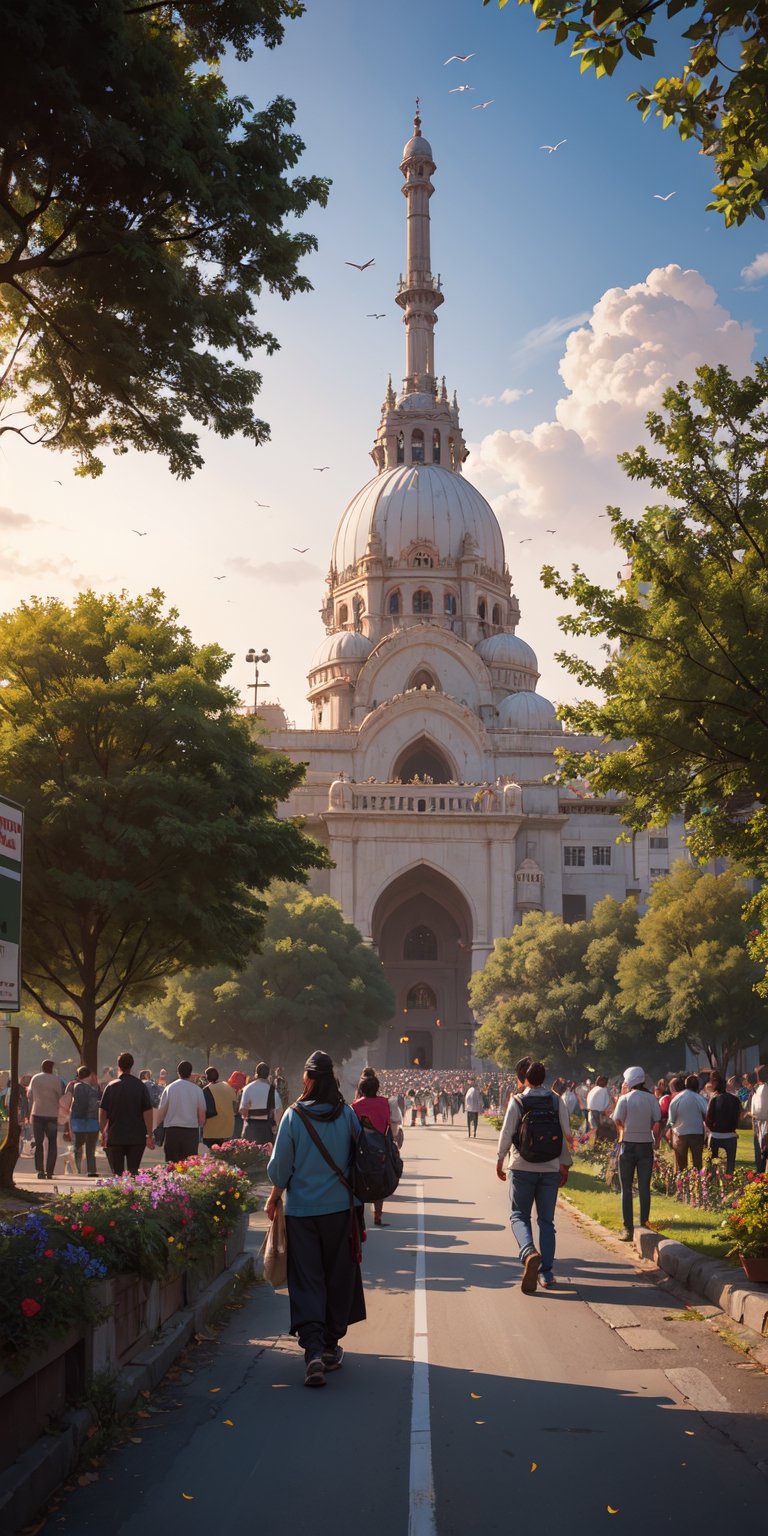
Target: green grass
x=701 y=1230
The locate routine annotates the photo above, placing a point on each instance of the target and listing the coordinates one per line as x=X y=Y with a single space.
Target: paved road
x=558 y=1408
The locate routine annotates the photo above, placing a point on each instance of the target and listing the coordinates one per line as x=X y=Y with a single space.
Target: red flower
x=29 y=1306
x=48 y=1254
x=100 y=1237
x=88 y=1230
x=58 y=1218
x=112 y=1223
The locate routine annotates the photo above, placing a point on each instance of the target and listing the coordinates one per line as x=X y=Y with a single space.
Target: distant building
x=429 y=746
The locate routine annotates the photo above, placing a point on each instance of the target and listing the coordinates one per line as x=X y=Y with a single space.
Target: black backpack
x=539 y=1136
x=376 y=1165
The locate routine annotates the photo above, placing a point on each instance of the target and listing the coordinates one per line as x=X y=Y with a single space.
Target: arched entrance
x=423 y=760
x=422 y=928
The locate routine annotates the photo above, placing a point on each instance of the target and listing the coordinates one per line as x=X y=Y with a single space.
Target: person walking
x=473 y=1103
x=759 y=1108
x=125 y=1119
x=45 y=1092
x=220 y=1126
x=260 y=1108
x=182 y=1112
x=84 y=1119
x=636 y=1113
x=598 y=1103
x=687 y=1111
x=721 y=1121
x=373 y=1109
x=310 y=1164
x=536 y=1122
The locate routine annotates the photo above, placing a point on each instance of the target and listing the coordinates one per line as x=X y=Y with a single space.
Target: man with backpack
x=535 y=1134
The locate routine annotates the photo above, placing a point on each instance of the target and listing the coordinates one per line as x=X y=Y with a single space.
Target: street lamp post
x=257 y=658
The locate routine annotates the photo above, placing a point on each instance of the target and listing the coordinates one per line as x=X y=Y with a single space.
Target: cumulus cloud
x=11 y=519
x=638 y=342
x=507 y=397
x=283 y=572
x=756 y=269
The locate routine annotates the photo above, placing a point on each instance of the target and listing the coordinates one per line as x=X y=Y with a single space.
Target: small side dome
x=508 y=651
x=346 y=645
x=527 y=712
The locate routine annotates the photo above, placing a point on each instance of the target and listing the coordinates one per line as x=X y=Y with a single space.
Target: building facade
x=430 y=748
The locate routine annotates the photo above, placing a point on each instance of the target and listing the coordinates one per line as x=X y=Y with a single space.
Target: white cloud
x=542 y=337
x=11 y=519
x=507 y=397
x=756 y=269
x=282 y=572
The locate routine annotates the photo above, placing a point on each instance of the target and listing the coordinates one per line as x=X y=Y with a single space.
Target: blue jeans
x=525 y=1190
x=635 y=1156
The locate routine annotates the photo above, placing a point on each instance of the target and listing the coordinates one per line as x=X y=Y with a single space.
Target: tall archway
x=423 y=759
x=422 y=928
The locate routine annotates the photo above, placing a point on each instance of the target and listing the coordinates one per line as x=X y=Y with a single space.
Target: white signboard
x=11 y=854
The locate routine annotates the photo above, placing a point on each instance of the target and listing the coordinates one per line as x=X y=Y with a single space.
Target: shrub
x=747 y=1218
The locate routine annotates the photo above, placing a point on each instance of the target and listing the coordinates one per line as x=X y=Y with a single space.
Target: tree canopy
x=143 y=209
x=689 y=973
x=550 y=990
x=314 y=983
x=150 y=811
x=718 y=96
x=685 y=683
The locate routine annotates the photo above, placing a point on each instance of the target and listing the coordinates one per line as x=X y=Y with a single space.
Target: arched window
x=421 y=996
x=452 y=452
x=423 y=679
x=400 y=448
x=423 y=760
x=496 y=615
x=343 y=614
x=417 y=446
x=449 y=604
x=422 y=558
x=422 y=601
x=435 y=447
x=394 y=604
x=420 y=944
x=481 y=609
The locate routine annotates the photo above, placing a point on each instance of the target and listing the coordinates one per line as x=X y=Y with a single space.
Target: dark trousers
x=89 y=1140
x=181 y=1141
x=635 y=1157
x=761 y=1158
x=260 y=1131
x=324 y=1281
x=728 y=1145
x=125 y=1156
x=472 y=1115
x=45 y=1128
x=682 y=1145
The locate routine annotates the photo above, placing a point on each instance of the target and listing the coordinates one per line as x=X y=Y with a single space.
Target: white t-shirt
x=598 y=1099
x=179 y=1105
x=759 y=1106
x=638 y=1112
x=254 y=1100
x=473 y=1101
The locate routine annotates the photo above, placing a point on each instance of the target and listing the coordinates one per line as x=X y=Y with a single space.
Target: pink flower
x=100 y=1238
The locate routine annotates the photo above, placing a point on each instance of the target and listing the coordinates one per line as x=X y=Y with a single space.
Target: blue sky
x=528 y=244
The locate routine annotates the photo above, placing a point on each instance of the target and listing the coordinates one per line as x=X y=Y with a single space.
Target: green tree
x=150 y=811
x=142 y=211
x=690 y=974
x=719 y=95
x=685 y=683
x=550 y=989
x=314 y=982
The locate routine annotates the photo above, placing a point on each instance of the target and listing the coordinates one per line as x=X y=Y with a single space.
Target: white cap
x=634 y=1077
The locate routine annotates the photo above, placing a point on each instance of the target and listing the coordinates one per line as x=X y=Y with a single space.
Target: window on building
x=574 y=909
x=343 y=614
x=601 y=856
x=482 y=610
x=657 y=872
x=421 y=996
x=417 y=446
x=496 y=615
x=422 y=558
x=400 y=448
x=658 y=842
x=574 y=856
x=435 y=447
x=422 y=679
x=422 y=601
x=394 y=603
x=450 y=605
x=420 y=944
x=452 y=452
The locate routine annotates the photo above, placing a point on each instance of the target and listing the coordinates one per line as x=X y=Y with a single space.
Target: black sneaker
x=333 y=1359
x=531 y=1267
x=315 y=1373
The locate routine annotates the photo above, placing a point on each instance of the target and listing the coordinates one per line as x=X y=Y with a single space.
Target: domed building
x=430 y=755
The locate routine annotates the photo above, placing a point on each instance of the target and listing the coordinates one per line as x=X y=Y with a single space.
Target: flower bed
x=248 y=1156
x=746 y=1219
x=153 y=1226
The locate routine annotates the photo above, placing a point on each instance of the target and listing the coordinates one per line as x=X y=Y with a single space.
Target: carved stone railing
x=424 y=799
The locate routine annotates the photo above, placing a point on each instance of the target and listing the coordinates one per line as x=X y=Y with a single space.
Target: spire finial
x=417 y=120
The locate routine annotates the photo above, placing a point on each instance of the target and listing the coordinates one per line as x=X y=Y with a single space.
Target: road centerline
x=421 y=1487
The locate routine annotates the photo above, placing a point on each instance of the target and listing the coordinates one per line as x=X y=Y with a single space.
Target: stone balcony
x=424 y=798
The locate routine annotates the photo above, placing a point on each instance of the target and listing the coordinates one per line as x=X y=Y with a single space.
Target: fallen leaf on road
x=135 y=1439
x=277 y=1386
x=86 y=1478
x=534 y=1465
x=188 y=1496
x=479 y=1421
x=690 y=1432
x=611 y=1510
x=476 y=1396
x=214 y=1389
x=230 y=1422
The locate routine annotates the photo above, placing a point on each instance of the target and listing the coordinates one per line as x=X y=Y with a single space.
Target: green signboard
x=11 y=854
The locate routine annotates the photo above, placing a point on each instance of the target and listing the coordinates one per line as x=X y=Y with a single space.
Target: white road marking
x=468 y=1151
x=698 y=1389
x=421 y=1488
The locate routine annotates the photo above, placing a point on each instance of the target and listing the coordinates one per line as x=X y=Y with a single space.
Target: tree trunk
x=9 y=1151
x=88 y=1045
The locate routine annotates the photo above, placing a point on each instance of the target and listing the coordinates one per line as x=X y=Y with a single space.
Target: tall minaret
x=418 y=292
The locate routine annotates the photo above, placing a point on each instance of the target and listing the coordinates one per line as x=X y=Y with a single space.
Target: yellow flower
x=171 y=1239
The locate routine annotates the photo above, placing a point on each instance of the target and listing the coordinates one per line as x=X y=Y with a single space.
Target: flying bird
x=526 y=541
x=382 y=316
x=219 y=578
x=552 y=147
x=550 y=530
x=455 y=88
x=361 y=265
x=665 y=199
x=480 y=105
x=261 y=503
x=57 y=482
x=139 y=532
x=459 y=58
x=320 y=468
x=300 y=551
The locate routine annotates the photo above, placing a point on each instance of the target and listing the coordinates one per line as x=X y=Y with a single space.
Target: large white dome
x=505 y=650
x=527 y=712
x=346 y=645
x=413 y=502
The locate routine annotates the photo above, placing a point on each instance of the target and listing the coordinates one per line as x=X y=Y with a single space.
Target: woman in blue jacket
x=310 y=1164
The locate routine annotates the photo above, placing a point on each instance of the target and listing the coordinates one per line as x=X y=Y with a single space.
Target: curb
x=32 y=1480
x=743 y=1300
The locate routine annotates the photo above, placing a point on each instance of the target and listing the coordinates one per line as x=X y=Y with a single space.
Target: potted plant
x=747 y=1222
